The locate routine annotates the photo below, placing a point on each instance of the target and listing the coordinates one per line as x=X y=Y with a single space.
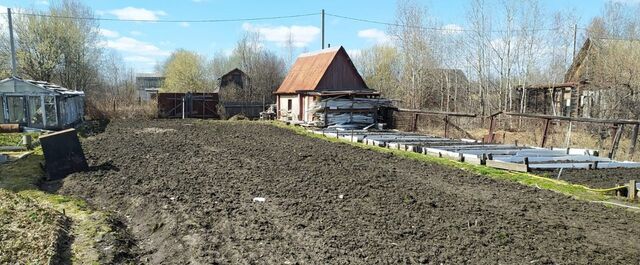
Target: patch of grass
x=89 y=227
x=24 y=174
x=29 y=217
x=15 y=139
x=576 y=191
x=28 y=231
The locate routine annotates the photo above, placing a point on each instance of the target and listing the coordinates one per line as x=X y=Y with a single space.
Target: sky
x=142 y=44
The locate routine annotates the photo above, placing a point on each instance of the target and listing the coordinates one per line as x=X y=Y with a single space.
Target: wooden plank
x=634 y=139
x=631 y=194
x=507 y=165
x=616 y=140
x=458 y=114
x=564 y=118
x=545 y=132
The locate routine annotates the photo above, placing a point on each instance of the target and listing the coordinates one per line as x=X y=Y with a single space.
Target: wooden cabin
x=321 y=75
x=601 y=81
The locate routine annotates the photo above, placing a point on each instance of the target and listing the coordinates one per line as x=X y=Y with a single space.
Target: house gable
x=325 y=70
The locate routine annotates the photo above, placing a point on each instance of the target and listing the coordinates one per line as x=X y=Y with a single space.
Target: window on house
x=15 y=106
x=289 y=104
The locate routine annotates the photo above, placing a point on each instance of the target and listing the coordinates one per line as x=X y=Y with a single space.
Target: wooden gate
x=194 y=105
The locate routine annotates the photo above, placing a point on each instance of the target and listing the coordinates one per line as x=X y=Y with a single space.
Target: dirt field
x=601 y=178
x=185 y=189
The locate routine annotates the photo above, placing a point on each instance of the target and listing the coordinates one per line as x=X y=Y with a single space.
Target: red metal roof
x=309 y=71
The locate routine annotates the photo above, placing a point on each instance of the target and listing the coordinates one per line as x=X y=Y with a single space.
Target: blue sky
x=143 y=44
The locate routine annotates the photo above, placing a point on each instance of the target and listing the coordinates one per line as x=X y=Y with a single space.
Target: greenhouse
x=39 y=104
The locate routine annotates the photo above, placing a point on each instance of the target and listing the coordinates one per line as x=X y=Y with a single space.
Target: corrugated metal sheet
x=328 y=69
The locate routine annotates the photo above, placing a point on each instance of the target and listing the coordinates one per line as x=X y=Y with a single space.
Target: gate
x=194 y=105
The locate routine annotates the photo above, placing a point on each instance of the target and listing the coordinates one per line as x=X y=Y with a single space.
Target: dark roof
x=232 y=71
x=310 y=70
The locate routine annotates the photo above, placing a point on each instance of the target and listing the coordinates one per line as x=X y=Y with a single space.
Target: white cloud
x=300 y=36
x=137 y=13
x=452 y=29
x=142 y=54
x=131 y=47
x=108 y=33
x=140 y=59
x=184 y=24
x=375 y=35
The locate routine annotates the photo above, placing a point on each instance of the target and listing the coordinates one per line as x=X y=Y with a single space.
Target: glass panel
x=16 y=109
x=35 y=112
x=50 y=108
x=1 y=110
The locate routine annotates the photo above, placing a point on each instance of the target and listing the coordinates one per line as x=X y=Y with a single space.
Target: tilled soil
x=186 y=189
x=601 y=178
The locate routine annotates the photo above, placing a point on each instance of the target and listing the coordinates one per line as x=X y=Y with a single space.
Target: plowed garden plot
x=601 y=178
x=186 y=190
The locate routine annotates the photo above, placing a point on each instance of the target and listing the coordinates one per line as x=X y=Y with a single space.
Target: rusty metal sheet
x=63 y=154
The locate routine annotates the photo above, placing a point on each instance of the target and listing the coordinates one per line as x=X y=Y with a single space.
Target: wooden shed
x=601 y=82
x=39 y=104
x=317 y=76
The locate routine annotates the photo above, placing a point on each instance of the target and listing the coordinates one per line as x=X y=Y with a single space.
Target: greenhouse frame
x=39 y=104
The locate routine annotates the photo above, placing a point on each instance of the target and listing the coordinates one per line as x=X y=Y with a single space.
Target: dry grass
x=29 y=233
x=120 y=108
x=32 y=226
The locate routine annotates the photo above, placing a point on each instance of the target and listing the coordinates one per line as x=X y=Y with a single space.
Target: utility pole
x=13 y=46
x=322 y=28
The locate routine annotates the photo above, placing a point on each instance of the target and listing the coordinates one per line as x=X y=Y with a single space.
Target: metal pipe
x=13 y=46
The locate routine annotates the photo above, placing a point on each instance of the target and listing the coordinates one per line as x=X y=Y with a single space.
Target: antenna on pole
x=322 y=28
x=13 y=46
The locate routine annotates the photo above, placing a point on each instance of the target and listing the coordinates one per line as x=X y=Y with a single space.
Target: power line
x=169 y=21
x=275 y=18
x=431 y=28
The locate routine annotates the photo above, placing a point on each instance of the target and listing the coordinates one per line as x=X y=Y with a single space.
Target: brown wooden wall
x=341 y=75
x=196 y=105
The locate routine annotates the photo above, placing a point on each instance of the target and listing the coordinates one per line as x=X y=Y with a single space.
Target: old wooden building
x=601 y=82
x=234 y=78
x=325 y=88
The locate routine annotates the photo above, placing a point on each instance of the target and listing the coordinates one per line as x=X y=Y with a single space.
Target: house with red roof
x=325 y=84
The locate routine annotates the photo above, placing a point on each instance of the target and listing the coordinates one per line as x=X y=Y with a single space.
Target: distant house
x=603 y=75
x=324 y=81
x=236 y=95
x=235 y=77
x=39 y=104
x=148 y=85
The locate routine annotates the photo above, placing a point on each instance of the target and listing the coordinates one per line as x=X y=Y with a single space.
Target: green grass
x=14 y=139
x=28 y=231
x=573 y=190
x=28 y=215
